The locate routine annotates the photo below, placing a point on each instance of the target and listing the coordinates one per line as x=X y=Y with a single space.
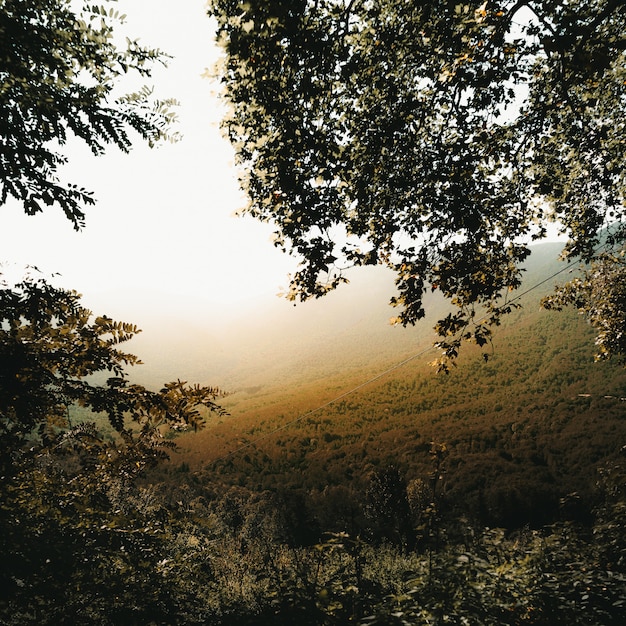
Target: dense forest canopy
x=439 y=138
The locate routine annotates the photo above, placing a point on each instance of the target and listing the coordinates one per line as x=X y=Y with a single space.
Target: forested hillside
x=524 y=428
x=270 y=341
x=349 y=482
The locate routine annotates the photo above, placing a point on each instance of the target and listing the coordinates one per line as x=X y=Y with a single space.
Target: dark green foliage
x=226 y=563
x=387 y=506
x=432 y=137
x=60 y=67
x=600 y=295
x=50 y=347
x=81 y=540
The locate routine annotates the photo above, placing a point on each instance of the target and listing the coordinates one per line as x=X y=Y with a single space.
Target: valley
x=523 y=429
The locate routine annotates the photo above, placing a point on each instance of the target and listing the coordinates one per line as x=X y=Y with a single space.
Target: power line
x=369 y=381
x=325 y=404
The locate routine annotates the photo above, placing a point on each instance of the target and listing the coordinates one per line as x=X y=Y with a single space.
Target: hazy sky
x=163 y=236
x=163 y=223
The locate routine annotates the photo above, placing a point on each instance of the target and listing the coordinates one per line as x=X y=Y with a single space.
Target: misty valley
x=345 y=482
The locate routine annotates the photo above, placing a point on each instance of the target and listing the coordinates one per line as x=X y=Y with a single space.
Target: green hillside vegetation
x=378 y=508
x=524 y=429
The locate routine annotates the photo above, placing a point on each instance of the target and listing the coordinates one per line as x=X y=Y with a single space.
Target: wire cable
x=325 y=404
x=369 y=381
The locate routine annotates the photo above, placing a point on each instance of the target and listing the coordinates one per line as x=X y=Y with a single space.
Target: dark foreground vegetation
x=115 y=551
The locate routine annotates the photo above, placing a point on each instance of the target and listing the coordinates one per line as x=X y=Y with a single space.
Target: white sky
x=162 y=237
x=163 y=229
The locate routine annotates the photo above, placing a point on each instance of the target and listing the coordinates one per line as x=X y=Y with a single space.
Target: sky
x=163 y=238
x=163 y=234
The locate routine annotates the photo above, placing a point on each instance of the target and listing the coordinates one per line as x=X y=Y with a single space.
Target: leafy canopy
x=78 y=531
x=60 y=72
x=81 y=540
x=50 y=349
x=438 y=138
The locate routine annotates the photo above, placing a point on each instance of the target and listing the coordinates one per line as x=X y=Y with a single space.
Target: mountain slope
x=314 y=407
